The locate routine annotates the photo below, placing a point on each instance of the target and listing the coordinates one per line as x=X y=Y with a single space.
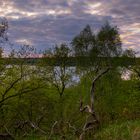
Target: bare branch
x=93 y=86
x=19 y=93
x=52 y=129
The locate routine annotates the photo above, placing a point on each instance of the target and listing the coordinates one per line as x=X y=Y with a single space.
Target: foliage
x=106 y=43
x=44 y=101
x=83 y=42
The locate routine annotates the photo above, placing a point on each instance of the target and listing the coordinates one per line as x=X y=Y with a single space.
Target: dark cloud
x=43 y=23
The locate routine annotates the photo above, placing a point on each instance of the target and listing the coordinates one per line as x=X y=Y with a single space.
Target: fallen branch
x=52 y=129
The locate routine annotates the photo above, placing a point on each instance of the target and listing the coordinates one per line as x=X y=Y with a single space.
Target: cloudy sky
x=42 y=23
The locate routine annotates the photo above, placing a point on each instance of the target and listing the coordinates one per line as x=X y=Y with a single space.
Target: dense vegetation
x=98 y=101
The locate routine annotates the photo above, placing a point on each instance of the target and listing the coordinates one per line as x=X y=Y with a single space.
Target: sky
x=43 y=23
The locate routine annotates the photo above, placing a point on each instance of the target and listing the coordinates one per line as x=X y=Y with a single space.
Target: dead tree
x=92 y=121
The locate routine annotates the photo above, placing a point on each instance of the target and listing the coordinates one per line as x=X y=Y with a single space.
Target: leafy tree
x=1 y=52
x=17 y=79
x=129 y=53
x=108 y=41
x=84 y=42
x=3 y=30
x=3 y=34
x=60 y=75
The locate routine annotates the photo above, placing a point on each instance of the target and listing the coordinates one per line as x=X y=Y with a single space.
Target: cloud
x=46 y=22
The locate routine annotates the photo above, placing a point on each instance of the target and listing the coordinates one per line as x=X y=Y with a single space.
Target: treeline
x=74 y=61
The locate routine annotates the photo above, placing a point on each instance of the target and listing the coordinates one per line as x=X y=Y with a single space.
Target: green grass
x=129 y=130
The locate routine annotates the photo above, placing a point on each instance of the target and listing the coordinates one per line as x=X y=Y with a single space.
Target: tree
x=1 y=52
x=84 y=42
x=3 y=30
x=129 y=53
x=108 y=41
x=17 y=79
x=3 y=34
x=105 y=44
x=3 y=37
x=59 y=74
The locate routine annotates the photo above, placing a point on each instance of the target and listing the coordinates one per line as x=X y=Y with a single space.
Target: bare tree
x=92 y=121
x=59 y=74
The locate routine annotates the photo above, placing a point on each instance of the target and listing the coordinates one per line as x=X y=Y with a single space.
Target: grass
x=129 y=130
